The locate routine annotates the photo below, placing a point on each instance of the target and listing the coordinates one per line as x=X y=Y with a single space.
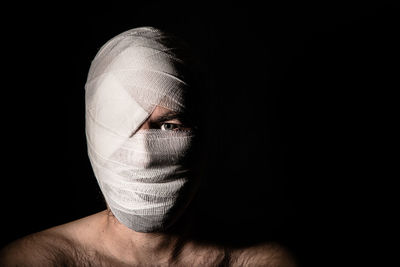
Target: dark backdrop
x=298 y=102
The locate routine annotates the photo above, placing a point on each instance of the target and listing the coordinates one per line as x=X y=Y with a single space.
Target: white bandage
x=141 y=173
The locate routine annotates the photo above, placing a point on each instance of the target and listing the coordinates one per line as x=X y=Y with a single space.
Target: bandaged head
x=141 y=173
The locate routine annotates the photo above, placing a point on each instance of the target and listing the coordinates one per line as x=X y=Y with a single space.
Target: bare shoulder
x=56 y=246
x=39 y=249
x=267 y=254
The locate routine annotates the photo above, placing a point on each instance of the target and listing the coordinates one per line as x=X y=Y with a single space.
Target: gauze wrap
x=140 y=172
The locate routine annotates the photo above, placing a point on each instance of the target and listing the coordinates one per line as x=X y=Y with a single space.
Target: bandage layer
x=141 y=173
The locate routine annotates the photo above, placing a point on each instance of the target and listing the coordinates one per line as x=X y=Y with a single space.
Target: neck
x=135 y=247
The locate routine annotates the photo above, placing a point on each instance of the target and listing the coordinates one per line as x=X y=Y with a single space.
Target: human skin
x=101 y=240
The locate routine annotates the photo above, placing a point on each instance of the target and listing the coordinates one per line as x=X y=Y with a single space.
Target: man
x=142 y=146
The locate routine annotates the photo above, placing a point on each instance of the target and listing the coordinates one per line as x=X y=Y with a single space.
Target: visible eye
x=170 y=127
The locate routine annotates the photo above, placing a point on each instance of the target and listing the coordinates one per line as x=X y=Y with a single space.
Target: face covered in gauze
x=142 y=173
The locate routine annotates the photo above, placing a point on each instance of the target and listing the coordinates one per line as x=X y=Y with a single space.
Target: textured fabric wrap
x=141 y=172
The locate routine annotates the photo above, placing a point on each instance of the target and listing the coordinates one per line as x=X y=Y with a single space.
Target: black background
x=299 y=108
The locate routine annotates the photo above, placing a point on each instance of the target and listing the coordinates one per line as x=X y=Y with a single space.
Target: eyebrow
x=168 y=116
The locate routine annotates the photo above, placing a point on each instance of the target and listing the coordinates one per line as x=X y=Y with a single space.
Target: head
x=139 y=129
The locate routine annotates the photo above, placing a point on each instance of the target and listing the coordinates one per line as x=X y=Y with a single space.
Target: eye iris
x=167 y=126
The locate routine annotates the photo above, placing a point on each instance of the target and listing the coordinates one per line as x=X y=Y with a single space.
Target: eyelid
x=174 y=121
x=168 y=117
